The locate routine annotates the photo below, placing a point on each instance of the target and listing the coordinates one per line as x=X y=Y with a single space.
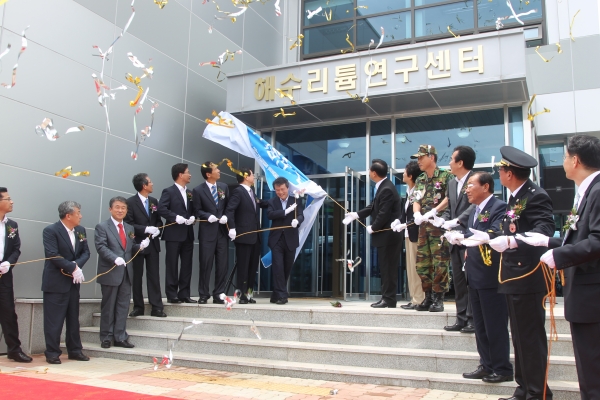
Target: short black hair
x=519 y=173
x=281 y=181
x=115 y=199
x=380 y=167
x=139 y=180
x=206 y=168
x=465 y=154
x=244 y=171
x=485 y=177
x=3 y=190
x=412 y=170
x=586 y=148
x=177 y=169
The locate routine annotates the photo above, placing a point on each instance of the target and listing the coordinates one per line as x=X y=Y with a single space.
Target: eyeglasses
x=7 y=199
x=567 y=155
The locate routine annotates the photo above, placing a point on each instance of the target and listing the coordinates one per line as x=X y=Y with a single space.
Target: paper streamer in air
x=46 y=128
x=14 y=70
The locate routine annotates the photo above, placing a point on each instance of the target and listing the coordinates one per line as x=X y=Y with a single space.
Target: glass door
x=353 y=261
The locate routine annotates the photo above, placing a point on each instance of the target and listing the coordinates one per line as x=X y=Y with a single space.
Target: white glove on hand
x=399 y=227
x=534 y=239
x=499 y=244
x=290 y=208
x=477 y=239
x=145 y=243
x=453 y=223
x=223 y=220
x=120 y=261
x=190 y=221
x=294 y=223
x=232 y=234
x=457 y=238
x=180 y=220
x=154 y=231
x=548 y=259
x=437 y=221
x=4 y=267
x=418 y=218
x=394 y=223
x=212 y=219
x=430 y=214
x=351 y=216
x=78 y=276
x=369 y=229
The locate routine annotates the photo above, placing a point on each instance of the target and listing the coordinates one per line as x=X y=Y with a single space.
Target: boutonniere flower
x=572 y=220
x=131 y=235
x=153 y=208
x=12 y=232
x=515 y=212
x=189 y=195
x=81 y=236
x=221 y=194
x=437 y=185
x=437 y=198
x=484 y=217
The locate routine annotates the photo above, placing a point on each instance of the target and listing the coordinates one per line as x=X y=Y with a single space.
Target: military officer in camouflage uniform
x=433 y=254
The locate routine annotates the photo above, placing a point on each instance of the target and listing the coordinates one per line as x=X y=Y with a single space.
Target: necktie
x=147 y=208
x=122 y=236
x=72 y=237
x=576 y=202
x=213 y=190
x=251 y=193
x=477 y=211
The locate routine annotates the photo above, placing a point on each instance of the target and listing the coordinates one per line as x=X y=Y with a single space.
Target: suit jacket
x=12 y=251
x=458 y=206
x=243 y=215
x=276 y=214
x=109 y=247
x=579 y=257
x=204 y=207
x=57 y=243
x=479 y=275
x=407 y=216
x=535 y=217
x=171 y=205
x=384 y=209
x=139 y=219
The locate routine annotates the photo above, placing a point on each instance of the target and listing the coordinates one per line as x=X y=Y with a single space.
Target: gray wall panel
x=106 y=9
x=234 y=31
x=549 y=77
x=268 y=49
x=586 y=59
x=203 y=96
x=267 y=12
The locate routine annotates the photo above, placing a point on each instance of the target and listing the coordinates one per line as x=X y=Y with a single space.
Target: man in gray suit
x=115 y=243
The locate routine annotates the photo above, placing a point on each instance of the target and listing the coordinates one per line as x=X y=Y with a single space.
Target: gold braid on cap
x=503 y=163
x=229 y=164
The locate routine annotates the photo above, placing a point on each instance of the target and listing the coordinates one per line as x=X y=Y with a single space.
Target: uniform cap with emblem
x=513 y=157
x=424 y=150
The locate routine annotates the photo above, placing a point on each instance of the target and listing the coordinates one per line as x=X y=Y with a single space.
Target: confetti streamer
x=449 y=30
x=532 y=116
x=311 y=14
x=167 y=360
x=232 y=15
x=350 y=43
x=210 y=29
x=571 y=26
x=14 y=71
x=298 y=42
x=328 y=17
x=2 y=2
x=283 y=114
x=66 y=172
x=253 y=327
x=46 y=128
x=5 y=52
x=499 y=23
x=282 y=93
x=336 y=304
x=558 y=48
x=227 y=123
x=380 y=38
x=277 y=8
x=148 y=72
x=144 y=133
x=136 y=82
x=353 y=96
x=161 y=3
x=222 y=59
x=537 y=50
x=230 y=301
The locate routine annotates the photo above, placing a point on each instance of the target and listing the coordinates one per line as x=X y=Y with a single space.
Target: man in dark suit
x=210 y=202
x=243 y=216
x=176 y=207
x=142 y=214
x=284 y=211
x=578 y=255
x=61 y=281
x=490 y=314
x=383 y=210
x=115 y=244
x=529 y=210
x=10 y=250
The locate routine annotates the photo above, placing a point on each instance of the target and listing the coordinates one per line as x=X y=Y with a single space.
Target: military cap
x=513 y=157
x=424 y=150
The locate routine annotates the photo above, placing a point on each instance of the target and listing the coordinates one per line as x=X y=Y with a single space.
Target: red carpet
x=19 y=388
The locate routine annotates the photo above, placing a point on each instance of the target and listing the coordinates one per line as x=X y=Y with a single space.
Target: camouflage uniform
x=433 y=260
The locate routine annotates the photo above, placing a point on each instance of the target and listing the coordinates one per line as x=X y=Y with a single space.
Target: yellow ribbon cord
x=486 y=254
x=283 y=94
x=161 y=3
x=66 y=172
x=559 y=49
x=284 y=114
x=224 y=122
x=571 y=26
x=537 y=50
x=136 y=82
x=298 y=42
x=531 y=116
x=449 y=30
x=350 y=43
x=353 y=96
x=328 y=16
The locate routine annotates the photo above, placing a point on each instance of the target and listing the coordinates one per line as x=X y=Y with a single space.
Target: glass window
x=327 y=38
x=380 y=6
x=331 y=10
x=551 y=155
x=436 y=20
x=396 y=27
x=381 y=140
x=489 y=12
x=515 y=128
x=428 y=2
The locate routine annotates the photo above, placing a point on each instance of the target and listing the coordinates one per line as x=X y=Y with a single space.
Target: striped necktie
x=213 y=190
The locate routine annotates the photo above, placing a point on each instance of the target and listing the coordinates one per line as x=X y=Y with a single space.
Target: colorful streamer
x=46 y=128
x=14 y=70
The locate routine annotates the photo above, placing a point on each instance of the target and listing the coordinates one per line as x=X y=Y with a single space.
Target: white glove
x=396 y=222
x=180 y=220
x=78 y=276
x=4 y=267
x=145 y=243
x=437 y=221
x=534 y=239
x=294 y=223
x=291 y=208
x=548 y=259
x=500 y=244
x=212 y=219
x=190 y=221
x=418 y=218
x=350 y=217
x=454 y=237
x=453 y=223
x=223 y=220
x=154 y=231
x=369 y=229
x=430 y=214
x=399 y=227
x=232 y=234
x=477 y=239
x=120 y=261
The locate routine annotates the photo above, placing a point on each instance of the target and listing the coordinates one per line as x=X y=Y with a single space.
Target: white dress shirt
x=117 y=224
x=144 y=200
x=377 y=186
x=514 y=194
x=2 y=236
x=182 y=190
x=71 y=233
x=459 y=184
x=482 y=206
x=250 y=193
x=584 y=187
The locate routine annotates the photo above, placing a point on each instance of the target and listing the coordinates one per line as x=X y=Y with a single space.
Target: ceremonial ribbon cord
x=21 y=370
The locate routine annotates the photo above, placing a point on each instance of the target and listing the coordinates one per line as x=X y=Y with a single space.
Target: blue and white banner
x=247 y=142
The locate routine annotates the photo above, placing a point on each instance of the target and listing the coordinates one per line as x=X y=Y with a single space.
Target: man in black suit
x=283 y=211
x=529 y=210
x=243 y=216
x=210 y=202
x=578 y=255
x=490 y=314
x=10 y=250
x=142 y=214
x=61 y=281
x=176 y=207
x=383 y=210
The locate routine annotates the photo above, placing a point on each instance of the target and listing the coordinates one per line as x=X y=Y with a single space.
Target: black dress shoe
x=383 y=304
x=282 y=301
x=454 y=328
x=218 y=301
x=479 y=373
x=379 y=302
x=273 y=300
x=409 y=306
x=188 y=300
x=124 y=344
x=252 y=301
x=158 y=313
x=243 y=301
x=136 y=312
x=79 y=357
x=105 y=344
x=53 y=360
x=495 y=378
x=20 y=357
x=174 y=301
x=468 y=329
x=202 y=300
